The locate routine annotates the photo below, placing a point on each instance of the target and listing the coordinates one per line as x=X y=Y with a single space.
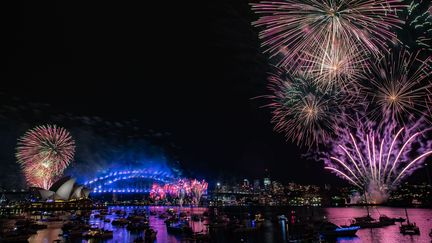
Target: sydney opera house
x=65 y=189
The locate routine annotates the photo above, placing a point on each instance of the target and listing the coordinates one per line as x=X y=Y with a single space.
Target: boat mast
x=406 y=214
x=367 y=204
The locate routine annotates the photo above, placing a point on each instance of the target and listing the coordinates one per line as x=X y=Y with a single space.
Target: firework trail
x=197 y=189
x=378 y=160
x=302 y=110
x=398 y=86
x=43 y=153
x=292 y=28
x=419 y=18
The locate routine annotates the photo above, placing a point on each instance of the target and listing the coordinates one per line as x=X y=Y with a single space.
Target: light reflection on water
x=422 y=217
x=274 y=231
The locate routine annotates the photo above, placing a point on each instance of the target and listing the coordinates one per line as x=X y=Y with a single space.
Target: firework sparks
x=198 y=188
x=378 y=160
x=419 y=18
x=295 y=27
x=400 y=86
x=157 y=192
x=181 y=189
x=43 y=153
x=301 y=110
x=340 y=67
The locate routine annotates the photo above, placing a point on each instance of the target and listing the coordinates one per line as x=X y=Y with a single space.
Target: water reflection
x=422 y=217
x=274 y=230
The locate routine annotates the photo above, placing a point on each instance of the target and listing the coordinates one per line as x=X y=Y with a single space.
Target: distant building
x=256 y=185
x=246 y=182
x=267 y=183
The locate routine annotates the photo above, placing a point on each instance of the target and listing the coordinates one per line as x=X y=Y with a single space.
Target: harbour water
x=273 y=230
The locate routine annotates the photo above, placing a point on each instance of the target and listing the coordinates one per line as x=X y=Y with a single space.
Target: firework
x=338 y=68
x=43 y=153
x=157 y=192
x=419 y=18
x=301 y=110
x=181 y=189
x=378 y=160
x=292 y=28
x=398 y=86
x=198 y=188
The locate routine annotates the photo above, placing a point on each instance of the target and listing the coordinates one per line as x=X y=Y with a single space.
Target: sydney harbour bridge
x=136 y=181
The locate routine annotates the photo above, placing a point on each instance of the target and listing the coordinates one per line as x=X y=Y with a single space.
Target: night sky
x=190 y=71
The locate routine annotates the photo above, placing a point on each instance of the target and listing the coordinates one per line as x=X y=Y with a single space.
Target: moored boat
x=330 y=230
x=409 y=228
x=179 y=228
x=98 y=234
x=120 y=222
x=150 y=235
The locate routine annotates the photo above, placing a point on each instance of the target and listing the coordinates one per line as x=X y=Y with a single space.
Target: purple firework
x=378 y=160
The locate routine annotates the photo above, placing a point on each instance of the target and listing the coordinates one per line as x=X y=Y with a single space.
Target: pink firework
x=44 y=153
x=293 y=28
x=157 y=192
x=377 y=160
x=198 y=188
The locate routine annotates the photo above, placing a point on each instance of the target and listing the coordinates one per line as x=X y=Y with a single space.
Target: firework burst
x=378 y=160
x=301 y=110
x=337 y=68
x=43 y=153
x=400 y=86
x=157 y=192
x=295 y=27
x=197 y=189
x=419 y=19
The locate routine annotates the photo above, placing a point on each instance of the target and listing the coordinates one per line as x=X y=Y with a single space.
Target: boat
x=98 y=234
x=137 y=226
x=137 y=218
x=29 y=225
x=75 y=226
x=369 y=222
x=282 y=218
x=14 y=238
x=259 y=218
x=386 y=220
x=400 y=219
x=120 y=221
x=216 y=225
x=73 y=234
x=330 y=230
x=409 y=228
x=179 y=228
x=103 y=212
x=150 y=235
x=139 y=240
x=195 y=217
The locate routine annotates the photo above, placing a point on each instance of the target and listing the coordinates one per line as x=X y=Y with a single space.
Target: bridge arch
x=129 y=181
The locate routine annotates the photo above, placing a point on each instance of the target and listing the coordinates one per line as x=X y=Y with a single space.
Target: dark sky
x=190 y=70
